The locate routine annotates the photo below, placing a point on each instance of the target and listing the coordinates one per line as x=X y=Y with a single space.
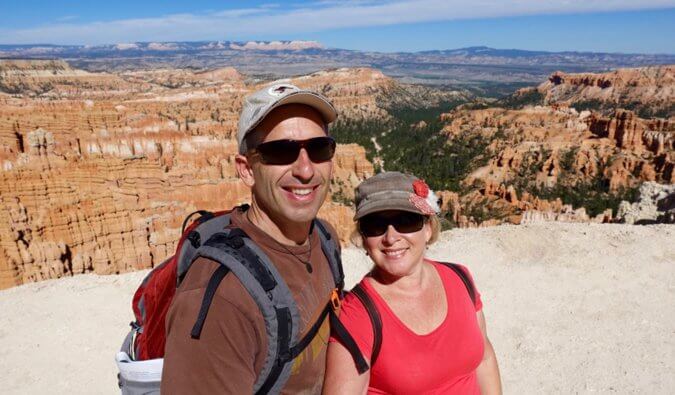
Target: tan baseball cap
x=392 y=190
x=260 y=103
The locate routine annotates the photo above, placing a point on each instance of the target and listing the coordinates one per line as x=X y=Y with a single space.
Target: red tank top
x=443 y=361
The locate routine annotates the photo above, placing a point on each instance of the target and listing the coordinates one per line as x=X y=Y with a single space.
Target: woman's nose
x=391 y=235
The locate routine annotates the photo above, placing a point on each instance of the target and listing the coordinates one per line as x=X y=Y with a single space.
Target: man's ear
x=244 y=170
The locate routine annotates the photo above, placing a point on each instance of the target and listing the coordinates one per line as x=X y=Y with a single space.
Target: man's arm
x=488 y=370
x=223 y=359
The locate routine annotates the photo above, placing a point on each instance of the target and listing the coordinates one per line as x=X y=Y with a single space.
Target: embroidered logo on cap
x=279 y=90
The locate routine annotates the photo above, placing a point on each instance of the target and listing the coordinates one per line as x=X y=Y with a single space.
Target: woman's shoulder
x=353 y=312
x=450 y=272
x=354 y=317
x=445 y=267
x=352 y=306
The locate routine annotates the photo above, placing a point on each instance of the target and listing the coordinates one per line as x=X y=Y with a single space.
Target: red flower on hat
x=421 y=188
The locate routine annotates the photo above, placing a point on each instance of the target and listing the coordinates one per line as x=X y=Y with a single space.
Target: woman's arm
x=341 y=374
x=488 y=370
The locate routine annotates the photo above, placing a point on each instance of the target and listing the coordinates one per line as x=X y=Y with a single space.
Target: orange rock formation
x=99 y=179
x=551 y=142
x=652 y=87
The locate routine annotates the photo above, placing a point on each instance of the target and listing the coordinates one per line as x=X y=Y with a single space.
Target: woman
x=432 y=337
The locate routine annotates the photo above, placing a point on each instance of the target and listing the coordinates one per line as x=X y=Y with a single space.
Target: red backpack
x=211 y=236
x=153 y=297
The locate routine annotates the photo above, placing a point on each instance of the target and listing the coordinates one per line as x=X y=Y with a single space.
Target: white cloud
x=67 y=18
x=275 y=20
x=241 y=12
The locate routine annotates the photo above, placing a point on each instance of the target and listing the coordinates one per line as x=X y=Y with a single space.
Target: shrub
x=518 y=100
x=592 y=104
x=594 y=194
x=422 y=151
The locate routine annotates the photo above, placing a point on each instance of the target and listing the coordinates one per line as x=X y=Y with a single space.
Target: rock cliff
x=585 y=139
x=656 y=205
x=99 y=171
x=536 y=150
x=54 y=78
x=647 y=90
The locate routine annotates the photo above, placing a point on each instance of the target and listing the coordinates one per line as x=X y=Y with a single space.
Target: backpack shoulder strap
x=213 y=238
x=194 y=235
x=210 y=292
x=338 y=330
x=332 y=252
x=464 y=277
x=239 y=255
x=375 y=320
x=347 y=340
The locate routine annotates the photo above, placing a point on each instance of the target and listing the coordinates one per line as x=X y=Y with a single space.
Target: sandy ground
x=571 y=308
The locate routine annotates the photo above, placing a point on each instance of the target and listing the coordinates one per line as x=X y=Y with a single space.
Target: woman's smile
x=394 y=253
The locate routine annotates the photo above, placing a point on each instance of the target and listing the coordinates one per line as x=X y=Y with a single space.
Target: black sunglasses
x=376 y=224
x=285 y=152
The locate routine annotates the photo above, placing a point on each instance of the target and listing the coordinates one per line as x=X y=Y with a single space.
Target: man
x=285 y=157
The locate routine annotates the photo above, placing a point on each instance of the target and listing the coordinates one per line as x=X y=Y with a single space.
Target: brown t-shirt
x=232 y=347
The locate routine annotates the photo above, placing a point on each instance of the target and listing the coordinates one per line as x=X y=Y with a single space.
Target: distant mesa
x=472 y=68
x=214 y=45
x=277 y=45
x=296 y=45
x=162 y=46
x=126 y=46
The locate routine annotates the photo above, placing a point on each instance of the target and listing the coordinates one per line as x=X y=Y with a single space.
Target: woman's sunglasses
x=376 y=224
x=285 y=152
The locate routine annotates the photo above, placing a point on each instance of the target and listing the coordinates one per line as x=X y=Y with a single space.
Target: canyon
x=543 y=146
x=540 y=148
x=99 y=169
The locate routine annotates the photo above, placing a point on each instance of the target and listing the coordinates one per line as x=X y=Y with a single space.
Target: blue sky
x=646 y=26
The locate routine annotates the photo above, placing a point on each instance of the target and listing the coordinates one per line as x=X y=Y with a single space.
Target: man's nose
x=303 y=168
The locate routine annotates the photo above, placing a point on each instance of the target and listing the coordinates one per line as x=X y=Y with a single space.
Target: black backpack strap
x=203 y=216
x=284 y=331
x=338 y=330
x=464 y=277
x=375 y=320
x=207 y=225
x=290 y=354
x=332 y=252
x=311 y=333
x=232 y=242
x=233 y=249
x=214 y=282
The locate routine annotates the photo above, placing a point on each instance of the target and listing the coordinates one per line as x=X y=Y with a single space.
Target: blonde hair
x=357 y=238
